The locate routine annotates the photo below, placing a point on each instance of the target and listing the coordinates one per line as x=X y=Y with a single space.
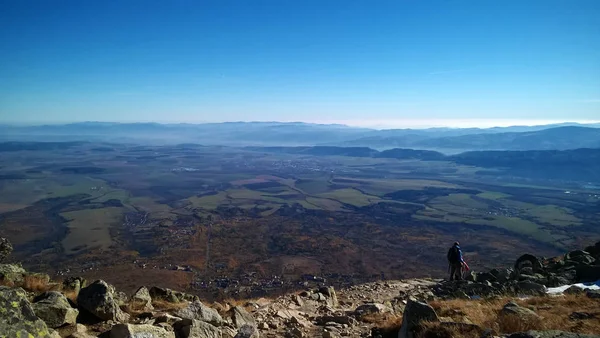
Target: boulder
x=573 y=290
x=531 y=288
x=99 y=299
x=588 y=273
x=241 y=317
x=74 y=284
x=73 y=330
x=166 y=318
x=247 y=331
x=164 y=294
x=595 y=294
x=18 y=318
x=12 y=273
x=139 y=331
x=54 y=309
x=528 y=260
x=512 y=309
x=330 y=295
x=371 y=308
x=142 y=298
x=580 y=256
x=6 y=248
x=192 y=328
x=201 y=312
x=551 y=334
x=415 y=313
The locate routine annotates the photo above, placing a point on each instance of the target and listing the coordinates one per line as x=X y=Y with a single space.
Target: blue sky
x=357 y=62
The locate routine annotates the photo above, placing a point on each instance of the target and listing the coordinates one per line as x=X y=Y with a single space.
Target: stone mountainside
x=32 y=306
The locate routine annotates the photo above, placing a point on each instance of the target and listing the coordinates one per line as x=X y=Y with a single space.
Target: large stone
x=371 y=308
x=551 y=334
x=99 y=299
x=241 y=317
x=415 y=313
x=528 y=260
x=142 y=298
x=17 y=318
x=595 y=294
x=330 y=295
x=74 y=284
x=6 y=248
x=580 y=256
x=247 y=331
x=164 y=294
x=54 y=309
x=139 y=331
x=201 y=312
x=12 y=274
x=532 y=288
x=588 y=273
x=191 y=328
x=512 y=309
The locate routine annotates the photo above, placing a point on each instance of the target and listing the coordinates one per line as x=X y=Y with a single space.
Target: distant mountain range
x=448 y=140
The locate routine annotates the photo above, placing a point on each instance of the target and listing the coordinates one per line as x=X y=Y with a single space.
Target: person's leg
x=459 y=273
x=452 y=271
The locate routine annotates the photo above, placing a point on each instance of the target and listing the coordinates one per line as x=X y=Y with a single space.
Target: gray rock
x=12 y=273
x=347 y=320
x=588 y=273
x=164 y=294
x=191 y=328
x=139 y=331
x=201 y=312
x=512 y=309
x=330 y=295
x=593 y=294
x=74 y=284
x=18 y=318
x=54 y=309
x=99 y=299
x=528 y=260
x=241 y=317
x=166 y=318
x=6 y=248
x=574 y=290
x=414 y=313
x=142 y=298
x=247 y=331
x=371 y=308
x=527 y=287
x=551 y=334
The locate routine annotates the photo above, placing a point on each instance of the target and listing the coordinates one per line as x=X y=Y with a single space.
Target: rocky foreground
x=510 y=302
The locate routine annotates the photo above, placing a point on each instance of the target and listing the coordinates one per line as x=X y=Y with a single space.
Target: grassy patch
x=89 y=228
x=350 y=196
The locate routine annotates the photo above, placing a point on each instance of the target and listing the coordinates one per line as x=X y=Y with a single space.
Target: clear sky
x=401 y=62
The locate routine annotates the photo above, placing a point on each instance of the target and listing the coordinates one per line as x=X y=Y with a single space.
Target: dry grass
x=71 y=295
x=441 y=330
x=38 y=284
x=387 y=324
x=513 y=324
x=554 y=313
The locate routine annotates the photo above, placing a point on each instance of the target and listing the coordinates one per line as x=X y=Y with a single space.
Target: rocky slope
x=494 y=303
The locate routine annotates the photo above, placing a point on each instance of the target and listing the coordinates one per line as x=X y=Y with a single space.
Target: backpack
x=453 y=255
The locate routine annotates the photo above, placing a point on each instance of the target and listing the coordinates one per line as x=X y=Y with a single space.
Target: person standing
x=455 y=261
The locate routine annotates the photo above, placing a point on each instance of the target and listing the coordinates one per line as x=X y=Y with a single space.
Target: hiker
x=455 y=261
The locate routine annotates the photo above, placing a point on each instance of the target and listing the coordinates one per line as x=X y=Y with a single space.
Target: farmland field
x=227 y=212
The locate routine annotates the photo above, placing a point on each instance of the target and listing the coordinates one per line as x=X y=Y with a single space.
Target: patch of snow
x=589 y=286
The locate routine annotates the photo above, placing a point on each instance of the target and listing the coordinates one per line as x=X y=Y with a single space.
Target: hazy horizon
x=371 y=124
